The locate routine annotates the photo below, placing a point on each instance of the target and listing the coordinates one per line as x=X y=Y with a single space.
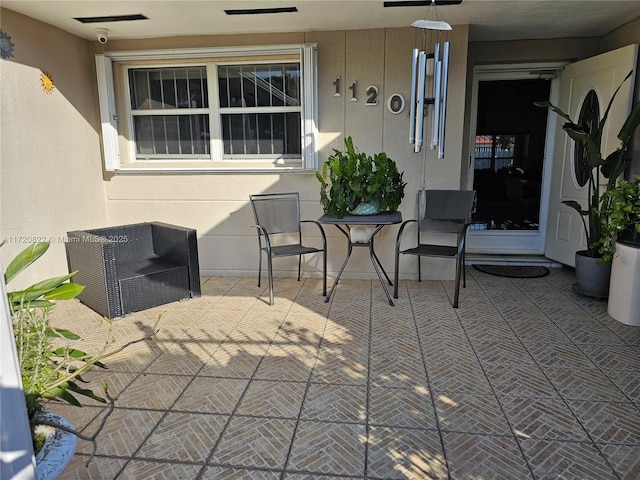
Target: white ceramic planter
x=361 y=233
x=58 y=448
x=624 y=292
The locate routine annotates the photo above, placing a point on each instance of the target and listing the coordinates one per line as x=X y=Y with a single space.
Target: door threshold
x=515 y=260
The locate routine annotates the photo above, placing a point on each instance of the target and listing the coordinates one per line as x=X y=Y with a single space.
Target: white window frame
x=114 y=140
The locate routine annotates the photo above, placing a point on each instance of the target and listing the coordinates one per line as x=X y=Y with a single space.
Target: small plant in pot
x=623 y=210
x=360 y=184
x=51 y=367
x=588 y=137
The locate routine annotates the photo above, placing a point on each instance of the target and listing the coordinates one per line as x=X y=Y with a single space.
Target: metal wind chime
x=430 y=72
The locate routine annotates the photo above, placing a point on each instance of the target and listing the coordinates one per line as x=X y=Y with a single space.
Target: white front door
x=601 y=75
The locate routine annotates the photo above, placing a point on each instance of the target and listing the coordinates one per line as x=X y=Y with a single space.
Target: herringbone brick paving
x=526 y=380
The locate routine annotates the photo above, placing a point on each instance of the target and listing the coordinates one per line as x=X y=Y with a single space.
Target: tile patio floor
x=526 y=380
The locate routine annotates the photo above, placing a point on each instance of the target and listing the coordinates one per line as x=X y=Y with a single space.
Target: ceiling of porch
x=488 y=19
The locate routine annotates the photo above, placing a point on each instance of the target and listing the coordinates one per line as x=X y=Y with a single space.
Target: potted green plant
x=361 y=184
x=623 y=211
x=621 y=243
x=596 y=214
x=50 y=365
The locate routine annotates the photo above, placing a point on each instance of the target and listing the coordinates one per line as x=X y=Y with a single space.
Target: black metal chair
x=439 y=211
x=278 y=222
x=130 y=268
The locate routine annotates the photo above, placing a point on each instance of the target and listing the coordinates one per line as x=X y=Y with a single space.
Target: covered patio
x=525 y=380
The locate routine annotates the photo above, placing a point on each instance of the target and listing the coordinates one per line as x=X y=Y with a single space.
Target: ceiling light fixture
x=112 y=18
x=260 y=11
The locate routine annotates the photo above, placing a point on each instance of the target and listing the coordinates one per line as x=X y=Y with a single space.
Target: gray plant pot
x=593 y=278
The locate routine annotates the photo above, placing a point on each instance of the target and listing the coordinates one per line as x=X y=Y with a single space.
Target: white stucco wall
x=50 y=169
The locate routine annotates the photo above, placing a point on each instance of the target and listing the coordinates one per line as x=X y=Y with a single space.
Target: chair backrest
x=277 y=213
x=445 y=210
x=130 y=242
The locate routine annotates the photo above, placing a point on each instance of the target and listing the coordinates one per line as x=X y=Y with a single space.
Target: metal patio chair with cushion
x=278 y=223
x=130 y=268
x=439 y=211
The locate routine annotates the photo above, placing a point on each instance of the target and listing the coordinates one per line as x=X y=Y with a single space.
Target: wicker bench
x=130 y=268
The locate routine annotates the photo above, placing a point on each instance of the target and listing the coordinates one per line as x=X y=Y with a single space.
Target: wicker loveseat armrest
x=178 y=244
x=93 y=256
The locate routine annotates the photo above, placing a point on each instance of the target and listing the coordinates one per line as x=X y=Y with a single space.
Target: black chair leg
x=456 y=294
x=270 y=268
x=324 y=273
x=395 y=276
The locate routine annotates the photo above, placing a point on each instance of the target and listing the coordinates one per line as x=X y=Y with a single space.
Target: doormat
x=513 y=271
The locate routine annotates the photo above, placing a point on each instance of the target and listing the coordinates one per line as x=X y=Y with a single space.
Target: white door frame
x=516 y=242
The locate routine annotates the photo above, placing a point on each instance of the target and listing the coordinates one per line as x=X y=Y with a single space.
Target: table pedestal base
x=374 y=260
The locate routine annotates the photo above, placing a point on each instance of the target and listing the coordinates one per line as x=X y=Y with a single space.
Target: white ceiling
x=488 y=19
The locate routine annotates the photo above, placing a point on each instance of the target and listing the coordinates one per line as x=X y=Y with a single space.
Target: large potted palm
x=593 y=268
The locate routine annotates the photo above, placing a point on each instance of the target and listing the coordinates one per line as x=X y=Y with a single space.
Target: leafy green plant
x=51 y=372
x=623 y=204
x=595 y=216
x=47 y=372
x=351 y=178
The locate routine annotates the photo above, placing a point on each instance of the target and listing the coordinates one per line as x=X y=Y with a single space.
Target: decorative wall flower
x=47 y=82
x=6 y=46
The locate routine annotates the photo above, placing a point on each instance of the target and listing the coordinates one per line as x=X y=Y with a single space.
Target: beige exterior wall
x=217 y=204
x=50 y=168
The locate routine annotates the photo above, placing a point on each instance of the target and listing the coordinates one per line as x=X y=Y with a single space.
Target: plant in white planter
x=50 y=367
x=596 y=214
x=623 y=210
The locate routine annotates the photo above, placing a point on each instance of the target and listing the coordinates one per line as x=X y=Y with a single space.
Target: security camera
x=102 y=34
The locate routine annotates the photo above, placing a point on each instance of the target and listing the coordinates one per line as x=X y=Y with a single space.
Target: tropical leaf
x=20 y=298
x=24 y=259
x=66 y=291
x=553 y=108
x=62 y=394
x=576 y=206
x=61 y=332
x=76 y=354
x=52 y=283
x=630 y=125
x=603 y=121
x=75 y=388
